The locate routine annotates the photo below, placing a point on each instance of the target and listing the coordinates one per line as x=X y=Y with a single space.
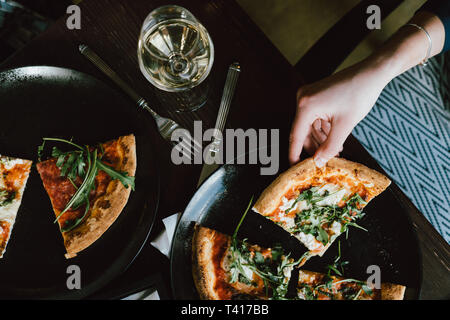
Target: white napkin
x=163 y=243
x=149 y=294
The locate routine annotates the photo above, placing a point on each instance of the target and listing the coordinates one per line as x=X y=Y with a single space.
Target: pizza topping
x=317 y=286
x=250 y=265
x=332 y=288
x=6 y=197
x=85 y=169
x=4 y=230
x=4 y=235
x=317 y=215
x=13 y=174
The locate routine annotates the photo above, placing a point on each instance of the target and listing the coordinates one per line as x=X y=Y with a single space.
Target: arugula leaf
x=322 y=236
x=123 y=177
x=6 y=197
x=83 y=191
x=308 y=292
x=259 y=259
x=270 y=270
x=277 y=252
x=338 y=266
x=332 y=267
x=41 y=150
x=84 y=164
x=68 y=164
x=242 y=218
x=367 y=289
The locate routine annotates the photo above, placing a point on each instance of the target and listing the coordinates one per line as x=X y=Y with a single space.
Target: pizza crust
x=305 y=170
x=270 y=198
x=390 y=291
x=202 y=262
x=107 y=208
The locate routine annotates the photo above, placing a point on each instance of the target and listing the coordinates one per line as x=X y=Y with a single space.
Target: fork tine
x=193 y=143
x=184 y=150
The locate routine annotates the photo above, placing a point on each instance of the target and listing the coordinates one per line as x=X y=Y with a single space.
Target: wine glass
x=176 y=54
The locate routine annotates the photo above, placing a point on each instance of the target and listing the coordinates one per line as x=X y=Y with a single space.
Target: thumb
x=340 y=130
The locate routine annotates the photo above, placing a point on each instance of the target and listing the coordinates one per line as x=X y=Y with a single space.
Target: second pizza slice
x=88 y=187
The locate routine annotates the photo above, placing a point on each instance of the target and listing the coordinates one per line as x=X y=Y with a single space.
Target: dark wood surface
x=264 y=99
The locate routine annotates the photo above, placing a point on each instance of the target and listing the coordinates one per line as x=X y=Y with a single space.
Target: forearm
x=407 y=48
x=329 y=109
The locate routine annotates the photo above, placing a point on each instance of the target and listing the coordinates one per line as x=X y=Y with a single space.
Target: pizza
x=225 y=268
x=13 y=179
x=316 y=205
x=319 y=286
x=88 y=187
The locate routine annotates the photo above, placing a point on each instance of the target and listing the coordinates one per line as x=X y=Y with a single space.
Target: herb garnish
x=338 y=266
x=85 y=164
x=329 y=287
x=6 y=197
x=271 y=270
x=315 y=218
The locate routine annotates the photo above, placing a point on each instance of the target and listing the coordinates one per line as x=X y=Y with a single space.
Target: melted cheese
x=288 y=204
x=336 y=194
x=288 y=221
x=309 y=241
x=333 y=194
x=336 y=228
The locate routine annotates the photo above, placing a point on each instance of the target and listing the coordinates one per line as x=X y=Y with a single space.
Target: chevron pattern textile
x=408 y=133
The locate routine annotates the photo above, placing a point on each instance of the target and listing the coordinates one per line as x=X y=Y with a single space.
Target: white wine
x=175 y=54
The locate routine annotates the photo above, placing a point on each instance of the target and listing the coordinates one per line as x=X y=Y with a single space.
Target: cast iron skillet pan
x=220 y=202
x=42 y=101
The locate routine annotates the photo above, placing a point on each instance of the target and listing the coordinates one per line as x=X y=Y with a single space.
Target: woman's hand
x=328 y=110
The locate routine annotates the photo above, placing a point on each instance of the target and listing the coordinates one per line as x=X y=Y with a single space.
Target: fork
x=166 y=126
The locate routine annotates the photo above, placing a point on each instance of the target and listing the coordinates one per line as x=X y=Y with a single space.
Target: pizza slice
x=88 y=187
x=13 y=178
x=316 y=205
x=225 y=268
x=319 y=286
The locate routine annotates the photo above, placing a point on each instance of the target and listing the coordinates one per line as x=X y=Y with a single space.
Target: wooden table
x=264 y=99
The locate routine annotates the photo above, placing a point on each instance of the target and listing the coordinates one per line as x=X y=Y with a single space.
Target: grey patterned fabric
x=408 y=133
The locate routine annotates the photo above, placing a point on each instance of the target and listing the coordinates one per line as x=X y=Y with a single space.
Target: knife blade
x=227 y=96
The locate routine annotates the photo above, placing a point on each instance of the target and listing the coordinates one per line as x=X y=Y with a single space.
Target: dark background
x=22 y=20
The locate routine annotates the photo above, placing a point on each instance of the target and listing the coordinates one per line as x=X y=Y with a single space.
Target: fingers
x=326 y=126
x=317 y=133
x=339 y=132
x=310 y=145
x=301 y=128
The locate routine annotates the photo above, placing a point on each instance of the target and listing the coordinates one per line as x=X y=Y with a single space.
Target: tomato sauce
x=61 y=190
x=4 y=233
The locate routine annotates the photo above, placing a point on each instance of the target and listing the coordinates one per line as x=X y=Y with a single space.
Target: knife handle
x=227 y=96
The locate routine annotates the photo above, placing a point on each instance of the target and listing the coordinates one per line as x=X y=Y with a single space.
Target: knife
x=228 y=92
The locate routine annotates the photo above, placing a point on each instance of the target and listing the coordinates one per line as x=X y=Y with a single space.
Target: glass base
x=185 y=101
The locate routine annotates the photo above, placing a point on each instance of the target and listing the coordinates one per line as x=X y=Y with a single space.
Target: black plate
x=38 y=102
x=220 y=202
